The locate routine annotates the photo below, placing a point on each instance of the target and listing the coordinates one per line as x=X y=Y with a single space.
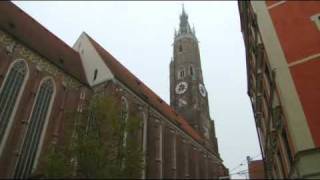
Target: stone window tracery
x=36 y=126
x=9 y=92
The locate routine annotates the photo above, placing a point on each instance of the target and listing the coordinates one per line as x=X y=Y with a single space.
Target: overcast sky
x=140 y=36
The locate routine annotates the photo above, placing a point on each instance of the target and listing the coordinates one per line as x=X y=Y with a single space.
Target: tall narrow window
x=191 y=71
x=36 y=125
x=124 y=118
x=180 y=48
x=9 y=95
x=95 y=74
x=182 y=73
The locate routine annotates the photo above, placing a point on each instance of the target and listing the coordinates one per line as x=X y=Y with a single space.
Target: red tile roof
x=32 y=34
x=130 y=80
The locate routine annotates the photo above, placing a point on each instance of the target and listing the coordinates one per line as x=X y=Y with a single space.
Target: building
x=282 y=55
x=256 y=169
x=41 y=77
x=188 y=95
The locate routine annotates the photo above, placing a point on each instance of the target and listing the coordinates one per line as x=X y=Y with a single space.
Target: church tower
x=188 y=95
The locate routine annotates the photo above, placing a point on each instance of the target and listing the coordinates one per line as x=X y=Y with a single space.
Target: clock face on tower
x=181 y=87
x=202 y=90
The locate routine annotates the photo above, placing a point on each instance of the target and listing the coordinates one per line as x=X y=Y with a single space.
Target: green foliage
x=98 y=146
x=57 y=164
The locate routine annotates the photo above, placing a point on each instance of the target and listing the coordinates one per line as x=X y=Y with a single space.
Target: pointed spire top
x=183 y=12
x=184 y=27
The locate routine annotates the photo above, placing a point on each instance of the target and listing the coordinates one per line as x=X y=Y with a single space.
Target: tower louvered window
x=9 y=94
x=36 y=124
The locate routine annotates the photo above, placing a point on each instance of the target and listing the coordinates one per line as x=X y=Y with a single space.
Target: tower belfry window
x=181 y=74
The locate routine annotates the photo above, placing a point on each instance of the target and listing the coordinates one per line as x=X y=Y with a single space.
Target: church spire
x=184 y=27
x=184 y=24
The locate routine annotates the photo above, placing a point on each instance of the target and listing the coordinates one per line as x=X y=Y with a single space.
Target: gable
x=95 y=69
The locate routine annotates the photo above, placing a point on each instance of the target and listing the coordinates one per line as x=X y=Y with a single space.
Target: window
x=9 y=95
x=174 y=150
x=191 y=70
x=181 y=73
x=124 y=118
x=95 y=74
x=36 y=125
x=180 y=48
x=82 y=94
x=92 y=126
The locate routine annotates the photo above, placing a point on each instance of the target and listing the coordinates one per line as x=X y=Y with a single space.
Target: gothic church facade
x=41 y=77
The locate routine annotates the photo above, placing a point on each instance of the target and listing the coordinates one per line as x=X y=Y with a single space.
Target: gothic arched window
x=124 y=118
x=36 y=125
x=9 y=95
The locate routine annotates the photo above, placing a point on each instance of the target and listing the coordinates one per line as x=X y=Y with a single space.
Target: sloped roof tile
x=32 y=34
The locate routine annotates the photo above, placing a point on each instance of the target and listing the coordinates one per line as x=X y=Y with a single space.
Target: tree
x=103 y=145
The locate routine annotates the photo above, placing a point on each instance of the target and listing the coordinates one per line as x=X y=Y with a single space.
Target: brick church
x=41 y=77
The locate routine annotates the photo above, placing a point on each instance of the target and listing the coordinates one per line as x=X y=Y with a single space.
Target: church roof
x=130 y=80
x=32 y=34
